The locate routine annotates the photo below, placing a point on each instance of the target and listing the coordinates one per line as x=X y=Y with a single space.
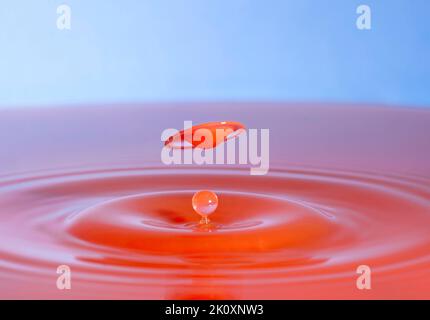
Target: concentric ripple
x=136 y=227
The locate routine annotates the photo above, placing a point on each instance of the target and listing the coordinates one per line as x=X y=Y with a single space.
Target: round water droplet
x=205 y=203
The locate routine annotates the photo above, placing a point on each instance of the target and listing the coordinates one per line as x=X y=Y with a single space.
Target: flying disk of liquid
x=195 y=137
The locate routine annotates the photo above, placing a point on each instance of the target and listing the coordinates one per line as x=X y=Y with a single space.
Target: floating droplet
x=205 y=203
x=197 y=136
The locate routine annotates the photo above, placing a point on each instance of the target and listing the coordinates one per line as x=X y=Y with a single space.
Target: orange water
x=205 y=203
x=85 y=187
x=220 y=131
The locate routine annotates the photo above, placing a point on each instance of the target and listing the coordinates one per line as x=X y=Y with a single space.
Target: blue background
x=218 y=50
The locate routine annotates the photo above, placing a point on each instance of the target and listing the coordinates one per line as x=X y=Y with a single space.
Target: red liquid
x=186 y=137
x=85 y=187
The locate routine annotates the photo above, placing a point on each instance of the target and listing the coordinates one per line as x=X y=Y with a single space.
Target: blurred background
x=214 y=50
